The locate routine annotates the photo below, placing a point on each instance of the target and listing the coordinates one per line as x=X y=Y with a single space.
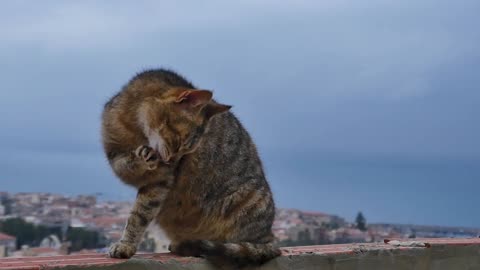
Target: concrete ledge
x=438 y=254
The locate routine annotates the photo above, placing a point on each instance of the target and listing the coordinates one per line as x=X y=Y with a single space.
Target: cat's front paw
x=122 y=250
x=148 y=155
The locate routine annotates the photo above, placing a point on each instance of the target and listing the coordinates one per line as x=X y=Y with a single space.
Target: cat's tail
x=238 y=254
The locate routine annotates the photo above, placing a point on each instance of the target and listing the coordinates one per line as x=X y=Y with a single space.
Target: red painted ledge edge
x=37 y=263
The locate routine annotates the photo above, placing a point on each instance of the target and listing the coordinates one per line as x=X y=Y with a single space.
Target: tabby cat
x=196 y=169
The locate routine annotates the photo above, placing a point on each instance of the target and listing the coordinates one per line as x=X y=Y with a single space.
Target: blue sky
x=354 y=106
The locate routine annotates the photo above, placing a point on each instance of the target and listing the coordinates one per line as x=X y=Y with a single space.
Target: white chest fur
x=155 y=139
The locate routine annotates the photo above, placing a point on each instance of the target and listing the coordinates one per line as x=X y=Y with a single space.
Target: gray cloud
x=311 y=80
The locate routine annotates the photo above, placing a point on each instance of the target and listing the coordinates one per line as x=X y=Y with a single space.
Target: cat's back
x=146 y=84
x=221 y=189
x=226 y=156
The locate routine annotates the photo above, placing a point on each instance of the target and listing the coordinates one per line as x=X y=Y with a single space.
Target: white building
x=7 y=244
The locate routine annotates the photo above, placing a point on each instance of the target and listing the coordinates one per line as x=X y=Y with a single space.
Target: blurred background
x=354 y=106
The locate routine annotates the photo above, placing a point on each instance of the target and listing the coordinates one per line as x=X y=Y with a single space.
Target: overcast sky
x=354 y=105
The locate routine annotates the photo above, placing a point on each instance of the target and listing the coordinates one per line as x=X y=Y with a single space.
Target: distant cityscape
x=44 y=224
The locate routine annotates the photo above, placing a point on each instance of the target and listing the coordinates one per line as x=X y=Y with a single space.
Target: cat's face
x=178 y=121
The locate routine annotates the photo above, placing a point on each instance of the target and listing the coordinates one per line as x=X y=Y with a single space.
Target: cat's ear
x=198 y=99
x=194 y=98
x=215 y=108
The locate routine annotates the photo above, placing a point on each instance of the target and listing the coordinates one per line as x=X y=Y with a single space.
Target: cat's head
x=175 y=123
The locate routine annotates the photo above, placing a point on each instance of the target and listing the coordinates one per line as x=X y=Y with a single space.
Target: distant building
x=7 y=244
x=51 y=241
x=44 y=250
x=319 y=219
x=349 y=235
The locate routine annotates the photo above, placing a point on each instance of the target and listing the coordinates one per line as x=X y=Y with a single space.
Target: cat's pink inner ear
x=194 y=97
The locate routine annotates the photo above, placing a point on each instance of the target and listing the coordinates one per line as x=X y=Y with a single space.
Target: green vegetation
x=361 y=222
x=31 y=234
x=26 y=233
x=82 y=239
x=148 y=244
x=330 y=226
x=7 y=203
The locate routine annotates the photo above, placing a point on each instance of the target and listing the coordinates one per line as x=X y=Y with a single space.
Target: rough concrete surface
x=421 y=254
x=346 y=257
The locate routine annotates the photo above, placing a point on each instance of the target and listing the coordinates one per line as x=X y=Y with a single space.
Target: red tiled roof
x=38 y=250
x=312 y=213
x=114 y=234
x=104 y=221
x=6 y=237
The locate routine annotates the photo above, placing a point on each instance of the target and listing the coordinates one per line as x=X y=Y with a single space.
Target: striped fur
x=237 y=254
x=196 y=169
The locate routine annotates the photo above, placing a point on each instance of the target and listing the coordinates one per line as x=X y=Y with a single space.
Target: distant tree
x=361 y=222
x=287 y=243
x=330 y=225
x=7 y=203
x=304 y=238
x=82 y=239
x=25 y=232
x=147 y=245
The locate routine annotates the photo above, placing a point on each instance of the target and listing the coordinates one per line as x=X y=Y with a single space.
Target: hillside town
x=43 y=224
